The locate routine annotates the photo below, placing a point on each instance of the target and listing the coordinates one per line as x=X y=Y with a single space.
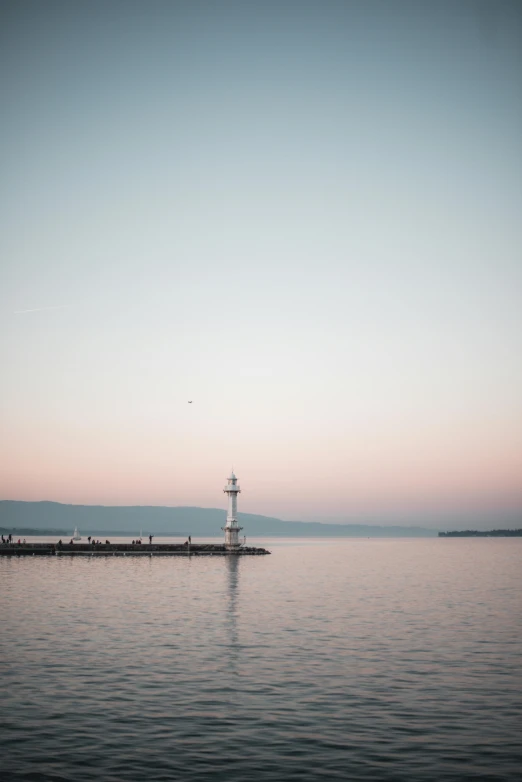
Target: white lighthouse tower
x=231 y=528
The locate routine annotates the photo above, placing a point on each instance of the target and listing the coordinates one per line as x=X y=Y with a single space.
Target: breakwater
x=125 y=549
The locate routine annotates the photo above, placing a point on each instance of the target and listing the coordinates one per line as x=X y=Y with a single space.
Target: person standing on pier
x=150 y=539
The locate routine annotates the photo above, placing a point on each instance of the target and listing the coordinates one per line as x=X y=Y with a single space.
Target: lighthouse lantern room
x=231 y=528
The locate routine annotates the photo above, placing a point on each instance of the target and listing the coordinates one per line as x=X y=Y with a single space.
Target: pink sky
x=326 y=477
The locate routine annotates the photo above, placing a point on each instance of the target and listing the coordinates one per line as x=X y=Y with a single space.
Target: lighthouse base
x=232 y=537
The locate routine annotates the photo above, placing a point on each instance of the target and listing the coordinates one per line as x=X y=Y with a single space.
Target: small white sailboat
x=76 y=535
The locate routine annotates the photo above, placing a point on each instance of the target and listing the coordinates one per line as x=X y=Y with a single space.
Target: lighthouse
x=231 y=528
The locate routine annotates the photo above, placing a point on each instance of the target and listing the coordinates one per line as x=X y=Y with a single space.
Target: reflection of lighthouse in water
x=232 y=641
x=231 y=528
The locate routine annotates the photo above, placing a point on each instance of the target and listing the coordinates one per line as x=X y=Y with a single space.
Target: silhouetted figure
x=107 y=543
x=10 y=538
x=150 y=539
x=60 y=542
x=71 y=542
x=190 y=540
x=89 y=539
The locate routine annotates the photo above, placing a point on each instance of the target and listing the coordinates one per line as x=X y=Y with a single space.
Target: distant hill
x=176 y=521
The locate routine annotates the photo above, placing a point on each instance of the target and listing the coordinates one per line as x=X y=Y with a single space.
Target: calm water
x=339 y=659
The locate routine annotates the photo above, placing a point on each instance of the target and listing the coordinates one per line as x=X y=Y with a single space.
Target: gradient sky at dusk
x=303 y=216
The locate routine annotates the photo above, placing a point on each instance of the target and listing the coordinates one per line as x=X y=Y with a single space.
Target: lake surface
x=346 y=659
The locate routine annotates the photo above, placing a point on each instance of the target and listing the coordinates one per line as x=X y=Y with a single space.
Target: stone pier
x=126 y=549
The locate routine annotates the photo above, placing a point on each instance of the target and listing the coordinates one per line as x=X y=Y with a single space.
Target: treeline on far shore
x=475 y=533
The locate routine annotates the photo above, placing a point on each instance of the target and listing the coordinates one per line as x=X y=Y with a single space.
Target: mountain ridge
x=179 y=520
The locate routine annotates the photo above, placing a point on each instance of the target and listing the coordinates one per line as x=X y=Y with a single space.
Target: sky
x=305 y=217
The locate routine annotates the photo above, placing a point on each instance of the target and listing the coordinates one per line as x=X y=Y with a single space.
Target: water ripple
x=353 y=659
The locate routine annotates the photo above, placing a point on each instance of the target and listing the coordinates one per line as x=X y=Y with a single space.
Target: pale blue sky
x=304 y=216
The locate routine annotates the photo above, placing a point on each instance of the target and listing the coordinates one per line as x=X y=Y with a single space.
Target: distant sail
x=76 y=535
